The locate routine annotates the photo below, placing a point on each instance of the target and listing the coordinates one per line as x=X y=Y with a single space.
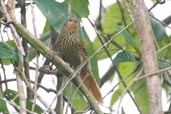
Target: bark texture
x=145 y=33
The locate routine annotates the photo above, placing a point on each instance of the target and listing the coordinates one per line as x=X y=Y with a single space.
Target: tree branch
x=143 y=27
x=56 y=60
x=9 y=11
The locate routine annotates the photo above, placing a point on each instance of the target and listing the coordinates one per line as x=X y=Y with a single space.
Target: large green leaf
x=165 y=53
x=163 y=64
x=128 y=37
x=113 y=16
x=8 y=52
x=56 y=13
x=116 y=95
x=80 y=7
x=124 y=56
x=127 y=71
x=11 y=95
x=118 y=15
x=112 y=48
x=47 y=27
x=158 y=29
x=97 y=45
x=3 y=105
x=141 y=97
x=75 y=97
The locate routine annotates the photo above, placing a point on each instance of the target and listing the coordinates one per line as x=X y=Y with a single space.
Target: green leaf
x=127 y=71
x=163 y=64
x=118 y=15
x=7 y=53
x=124 y=56
x=128 y=37
x=111 y=48
x=80 y=7
x=116 y=95
x=113 y=16
x=158 y=29
x=47 y=27
x=75 y=97
x=11 y=94
x=141 y=96
x=165 y=53
x=3 y=106
x=55 y=12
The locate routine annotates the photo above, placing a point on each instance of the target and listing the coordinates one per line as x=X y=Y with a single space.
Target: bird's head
x=72 y=23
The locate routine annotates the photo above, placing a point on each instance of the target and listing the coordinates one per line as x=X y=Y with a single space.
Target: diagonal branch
x=10 y=13
x=54 y=58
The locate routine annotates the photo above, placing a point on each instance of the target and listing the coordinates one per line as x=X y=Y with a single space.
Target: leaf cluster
x=125 y=48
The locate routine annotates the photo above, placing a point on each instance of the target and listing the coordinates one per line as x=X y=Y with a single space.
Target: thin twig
x=69 y=9
x=39 y=85
x=1 y=35
x=29 y=86
x=87 y=60
x=122 y=12
x=157 y=2
x=36 y=82
x=13 y=31
x=33 y=18
x=15 y=105
x=164 y=24
x=15 y=34
x=20 y=86
x=128 y=86
x=164 y=47
x=44 y=70
x=99 y=22
x=58 y=61
x=3 y=69
x=121 y=78
x=21 y=94
x=154 y=73
x=25 y=46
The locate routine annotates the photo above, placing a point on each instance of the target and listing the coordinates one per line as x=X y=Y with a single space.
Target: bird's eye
x=70 y=20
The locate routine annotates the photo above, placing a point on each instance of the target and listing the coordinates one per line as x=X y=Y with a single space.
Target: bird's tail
x=91 y=84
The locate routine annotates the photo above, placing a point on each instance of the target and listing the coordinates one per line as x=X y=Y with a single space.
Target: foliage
x=11 y=95
x=3 y=106
x=125 y=47
x=8 y=52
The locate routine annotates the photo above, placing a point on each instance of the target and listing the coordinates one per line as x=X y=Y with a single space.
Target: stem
x=145 y=33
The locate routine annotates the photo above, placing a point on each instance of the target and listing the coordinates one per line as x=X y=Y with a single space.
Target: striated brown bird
x=72 y=49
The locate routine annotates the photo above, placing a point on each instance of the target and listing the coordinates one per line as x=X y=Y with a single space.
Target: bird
x=71 y=48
